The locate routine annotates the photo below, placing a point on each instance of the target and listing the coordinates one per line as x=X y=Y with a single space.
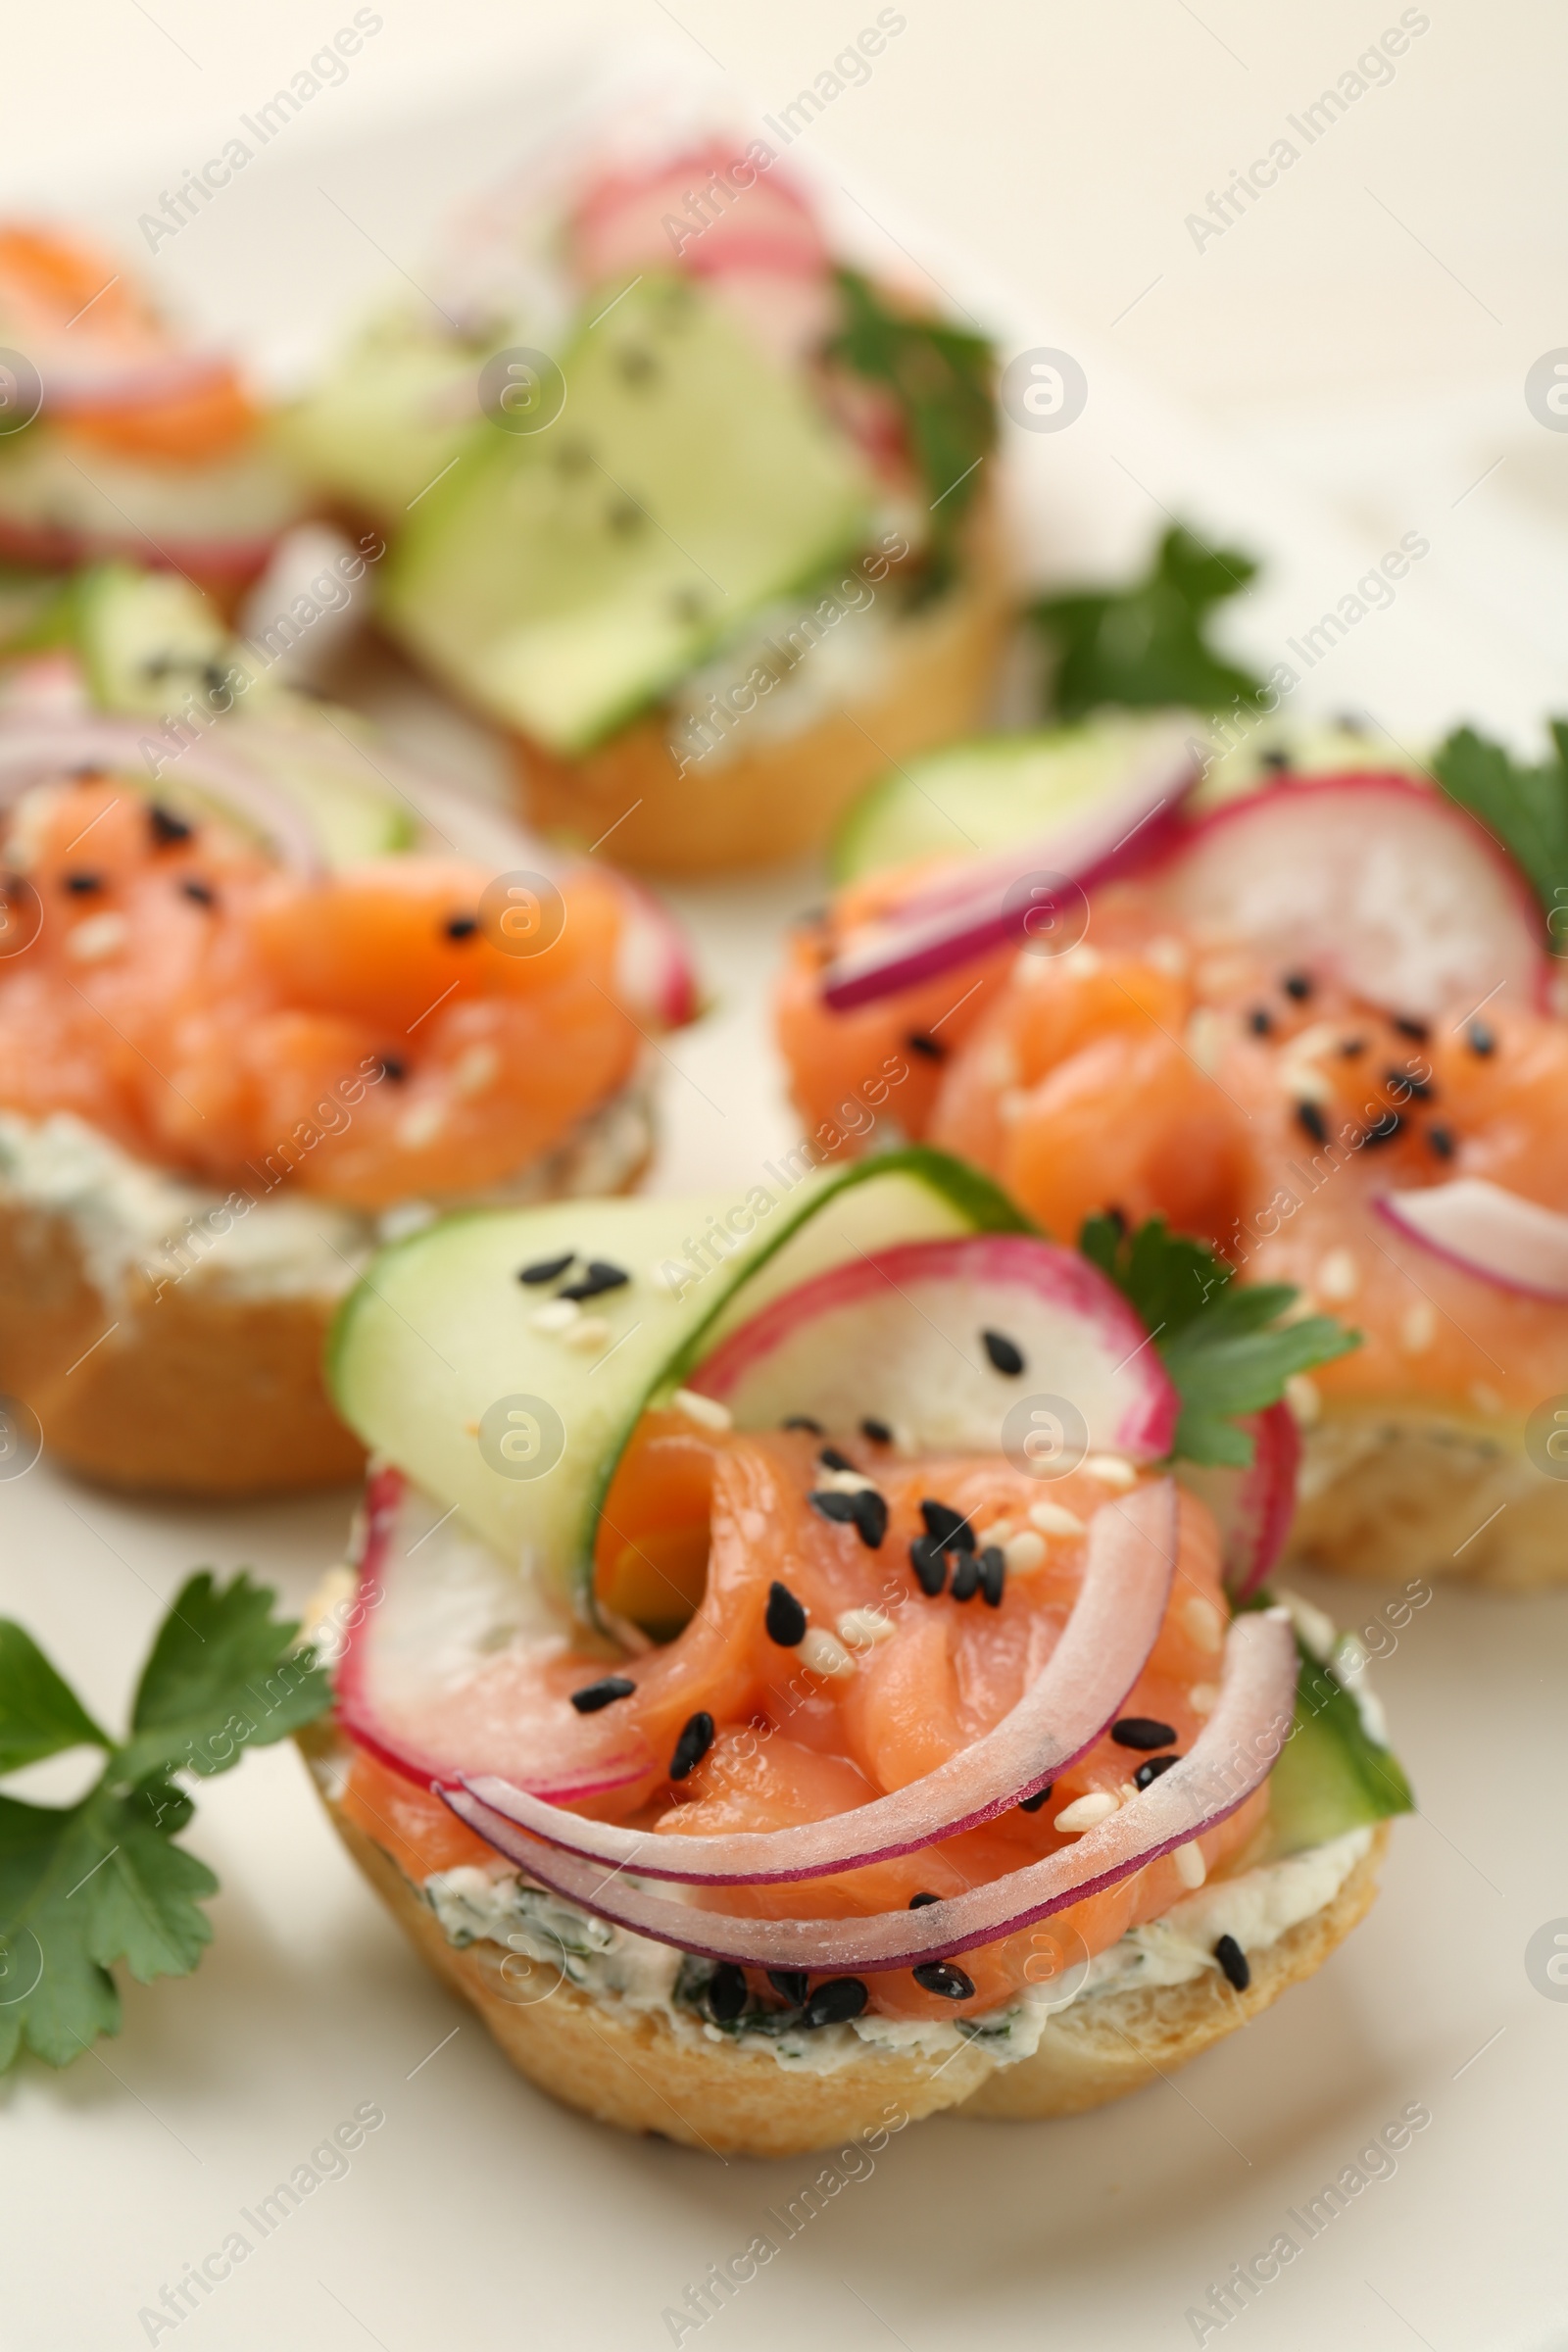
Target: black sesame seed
x=789 y=1983
x=82 y=885
x=1148 y=1773
x=876 y=1433
x=461 y=926
x=946 y=1526
x=393 y=1069
x=1298 y=985
x=1352 y=1049
x=1385 y=1129
x=1406 y=1027
x=929 y=1561
x=941 y=1975
x=1234 y=1962
x=865 y=1511
x=637 y=365
x=931 y=1049
x=1441 y=1140
x=1261 y=1020
x=831 y=1459
x=966 y=1576
x=545 y=1270
x=1143 y=1731
x=918 y=1903
x=1311 y=1122
x=785 y=1619
x=805 y=1421
x=1402 y=1086
x=726 y=1992
x=1032 y=1804
x=993 y=1574
x=595 y=1696
x=601 y=1276
x=693 y=1745
x=1278 y=762
x=202 y=893
x=166 y=828
x=1480 y=1039
x=836 y=2002
x=1003 y=1355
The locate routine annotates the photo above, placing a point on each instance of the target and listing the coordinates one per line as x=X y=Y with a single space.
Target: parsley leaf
x=1146 y=647
x=943 y=381
x=1221 y=1340
x=1525 y=807
x=84 y=1886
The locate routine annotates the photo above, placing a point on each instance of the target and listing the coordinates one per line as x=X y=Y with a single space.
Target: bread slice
x=203 y=1385
x=762 y=801
x=629 y=2067
x=1402 y=1493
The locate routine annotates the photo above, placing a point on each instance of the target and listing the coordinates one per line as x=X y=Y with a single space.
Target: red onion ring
x=1500 y=1237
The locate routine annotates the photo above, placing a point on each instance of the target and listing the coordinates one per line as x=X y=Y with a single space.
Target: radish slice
x=1373 y=881
x=898 y=1335
x=115 y=389
x=984 y=904
x=438 y=1669
x=1119 y=1612
x=1499 y=1236
x=1255 y=1506
x=1231 y=1757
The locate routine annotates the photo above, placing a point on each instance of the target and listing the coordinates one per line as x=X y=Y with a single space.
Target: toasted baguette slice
x=198 y=1386
x=1394 y=1492
x=628 y=2067
x=761 y=799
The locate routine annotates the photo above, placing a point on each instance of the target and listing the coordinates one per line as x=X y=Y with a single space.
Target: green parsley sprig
x=84 y=1886
x=1525 y=807
x=1146 y=647
x=1221 y=1340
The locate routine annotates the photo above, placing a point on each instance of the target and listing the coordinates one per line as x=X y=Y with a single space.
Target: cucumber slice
x=389 y=415
x=1301 y=747
x=1330 y=1775
x=565 y=578
x=988 y=795
x=440 y=1331
x=147 y=639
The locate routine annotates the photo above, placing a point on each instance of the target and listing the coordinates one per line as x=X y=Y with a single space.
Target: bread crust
x=1404 y=1492
x=629 y=2068
x=774 y=799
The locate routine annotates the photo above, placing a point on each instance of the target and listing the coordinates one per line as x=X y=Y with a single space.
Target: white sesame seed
x=1206 y=1038
x=846 y=1481
x=863 y=1629
x=558 y=1315
x=1167 y=954
x=1302 y=1397
x=1203 y=1623
x=670 y=1277
x=998 y=1532
x=1204 y=1697
x=1087 y=1812
x=999 y=1064
x=1419 y=1328
x=99 y=936
x=587 y=1332
x=823 y=1653
x=1190 y=1867
x=1305 y=1084
x=1339 y=1276
x=1055 y=1519
x=1112 y=1470
x=1011 y=1105
x=1024 y=1552
x=1083 y=961
x=420 y=1124
x=475 y=1071
x=706 y=1410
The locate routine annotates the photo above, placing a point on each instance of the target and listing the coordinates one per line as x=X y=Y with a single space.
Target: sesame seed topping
x=545 y=1270
x=1303 y=1395
x=1004 y=1354
x=1338 y=1276
x=918 y=1903
x=696 y=1738
x=992 y=1575
x=99 y=936
x=836 y=2002
x=946 y=1526
x=1203 y=1623
x=1143 y=1731
x=1087 y=1812
x=1150 y=1772
x=803 y=1421
x=930 y=1049
x=1439 y=1140
x=589 y=1331
x=823 y=1653
x=1190 y=1867
x=1480 y=1039
x=705 y=1411
x=967 y=1576
x=461 y=926
x=1261 y=1020
x=1352 y=1049
x=82 y=885
x=1112 y=1470
x=1298 y=985
x=1419 y=1327
x=726 y=1992
x=393 y=1069
x=876 y=1433
x=929 y=1561
x=865 y=1511
x=201 y=894
x=789 y=1983
x=601 y=1276
x=785 y=1620
x=1311 y=1121
x=865 y=1628
x=1024 y=1552
x=831 y=1459
x=1407 y=1027
x=1385 y=1129
x=1204 y=1697
x=942 y=1976
x=1055 y=1519
x=558 y=1315
x=1233 y=1963
x=1032 y=1804
x=166 y=828
x=595 y=1696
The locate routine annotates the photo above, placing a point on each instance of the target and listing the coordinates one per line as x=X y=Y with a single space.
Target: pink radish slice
x=985 y=904
x=1500 y=1237
x=1375 y=882
x=39 y=749
x=55 y=546
x=620 y=223
x=653 y=966
x=1119 y=1612
x=421 y=1684
x=1230 y=1758
x=115 y=389
x=1255 y=1506
x=898 y=1335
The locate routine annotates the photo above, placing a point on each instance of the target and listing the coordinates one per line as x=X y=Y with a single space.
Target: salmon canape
x=826 y=1674
x=1315 y=1027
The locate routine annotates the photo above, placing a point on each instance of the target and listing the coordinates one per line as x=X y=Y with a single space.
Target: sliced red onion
x=985 y=904
x=1499 y=1236
x=1230 y=1758
x=1119 y=1612
x=898 y=1334
x=1253 y=1507
x=1376 y=882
